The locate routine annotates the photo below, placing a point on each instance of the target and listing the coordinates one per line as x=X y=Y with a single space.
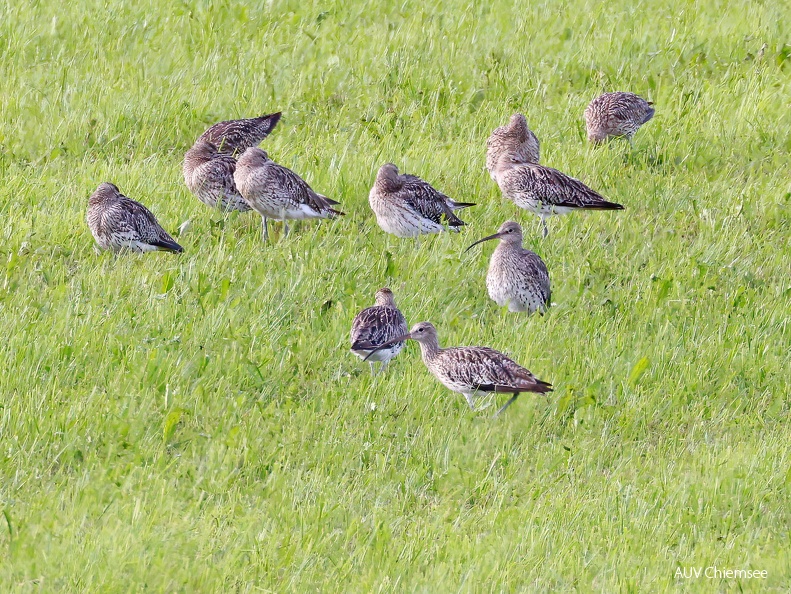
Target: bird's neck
x=429 y=350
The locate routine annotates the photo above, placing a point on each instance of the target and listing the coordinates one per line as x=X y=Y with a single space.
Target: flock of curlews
x=225 y=169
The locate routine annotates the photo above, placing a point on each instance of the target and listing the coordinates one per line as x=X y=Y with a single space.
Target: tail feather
x=168 y=245
x=603 y=205
x=541 y=387
x=459 y=205
x=363 y=345
x=271 y=118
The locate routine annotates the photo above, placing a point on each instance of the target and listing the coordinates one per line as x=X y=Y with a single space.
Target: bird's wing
x=140 y=223
x=375 y=325
x=235 y=136
x=553 y=187
x=427 y=201
x=296 y=189
x=489 y=371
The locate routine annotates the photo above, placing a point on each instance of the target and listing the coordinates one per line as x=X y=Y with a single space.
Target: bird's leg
x=373 y=368
x=470 y=400
x=265 y=231
x=546 y=230
x=506 y=405
x=286 y=228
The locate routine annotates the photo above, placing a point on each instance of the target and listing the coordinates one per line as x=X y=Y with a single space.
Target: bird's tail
x=454 y=222
x=459 y=205
x=602 y=205
x=541 y=387
x=168 y=245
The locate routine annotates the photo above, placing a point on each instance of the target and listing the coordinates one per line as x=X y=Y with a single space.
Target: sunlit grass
x=197 y=423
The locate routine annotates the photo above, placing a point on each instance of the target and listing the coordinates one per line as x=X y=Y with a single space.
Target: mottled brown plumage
x=473 y=370
x=208 y=174
x=376 y=325
x=210 y=164
x=616 y=115
x=407 y=206
x=119 y=223
x=276 y=192
x=516 y=139
x=544 y=190
x=236 y=136
x=517 y=278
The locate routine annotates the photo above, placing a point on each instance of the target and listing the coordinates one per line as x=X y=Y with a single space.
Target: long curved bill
x=387 y=344
x=495 y=236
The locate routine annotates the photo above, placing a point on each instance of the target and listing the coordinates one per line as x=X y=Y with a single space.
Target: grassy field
x=197 y=424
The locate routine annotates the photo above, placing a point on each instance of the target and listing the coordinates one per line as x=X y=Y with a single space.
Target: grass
x=196 y=423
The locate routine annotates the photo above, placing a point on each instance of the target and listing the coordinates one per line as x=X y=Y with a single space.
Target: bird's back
x=235 y=136
x=376 y=325
x=482 y=368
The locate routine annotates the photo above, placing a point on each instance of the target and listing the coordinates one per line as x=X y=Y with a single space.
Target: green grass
x=197 y=423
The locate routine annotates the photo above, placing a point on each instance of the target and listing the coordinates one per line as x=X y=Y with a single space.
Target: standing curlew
x=119 y=223
x=376 y=325
x=210 y=164
x=545 y=191
x=517 y=277
x=276 y=192
x=407 y=206
x=616 y=114
x=515 y=138
x=472 y=370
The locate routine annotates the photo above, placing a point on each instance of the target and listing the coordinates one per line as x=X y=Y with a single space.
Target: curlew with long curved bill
x=376 y=325
x=517 y=277
x=472 y=370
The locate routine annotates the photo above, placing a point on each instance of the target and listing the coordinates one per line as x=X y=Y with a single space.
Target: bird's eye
x=420 y=329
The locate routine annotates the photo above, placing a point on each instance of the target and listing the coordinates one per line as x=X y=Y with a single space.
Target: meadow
x=196 y=423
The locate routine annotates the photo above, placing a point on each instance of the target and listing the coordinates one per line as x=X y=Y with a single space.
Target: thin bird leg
x=265 y=231
x=546 y=230
x=471 y=401
x=286 y=228
x=506 y=405
x=373 y=368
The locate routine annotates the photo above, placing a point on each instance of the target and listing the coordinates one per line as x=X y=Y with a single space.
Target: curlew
x=545 y=191
x=376 y=325
x=517 y=277
x=210 y=163
x=119 y=223
x=276 y=192
x=407 y=206
x=472 y=370
x=616 y=115
x=515 y=138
